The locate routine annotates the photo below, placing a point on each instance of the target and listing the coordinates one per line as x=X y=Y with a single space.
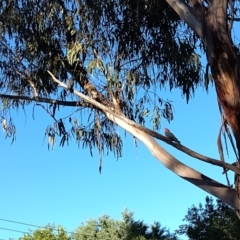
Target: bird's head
x=166 y=130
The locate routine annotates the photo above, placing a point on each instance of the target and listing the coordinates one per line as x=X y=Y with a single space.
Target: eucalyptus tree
x=111 y=58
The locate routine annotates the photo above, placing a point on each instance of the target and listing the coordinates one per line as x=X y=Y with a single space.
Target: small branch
x=217 y=189
x=197 y=6
x=235 y=19
x=187 y=14
x=230 y=24
x=28 y=79
x=48 y=100
x=191 y=152
x=219 y=142
x=104 y=71
x=148 y=131
x=48 y=112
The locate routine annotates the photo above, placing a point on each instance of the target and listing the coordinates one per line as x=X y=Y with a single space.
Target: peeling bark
x=224 y=65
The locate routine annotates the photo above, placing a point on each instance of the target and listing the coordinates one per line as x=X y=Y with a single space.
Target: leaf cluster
x=211 y=221
x=127 y=228
x=50 y=232
x=120 y=53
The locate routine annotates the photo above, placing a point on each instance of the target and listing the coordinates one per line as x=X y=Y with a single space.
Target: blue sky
x=64 y=186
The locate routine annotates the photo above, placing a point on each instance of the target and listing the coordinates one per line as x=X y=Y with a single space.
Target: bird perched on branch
x=170 y=136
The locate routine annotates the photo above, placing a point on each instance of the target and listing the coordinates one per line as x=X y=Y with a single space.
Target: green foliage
x=48 y=233
x=126 y=229
x=212 y=221
x=122 y=50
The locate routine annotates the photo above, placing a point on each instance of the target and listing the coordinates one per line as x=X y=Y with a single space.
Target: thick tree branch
x=48 y=100
x=80 y=75
x=197 y=6
x=217 y=189
x=209 y=185
x=192 y=153
x=188 y=15
x=152 y=133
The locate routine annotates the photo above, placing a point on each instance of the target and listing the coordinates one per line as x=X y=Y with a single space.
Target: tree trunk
x=225 y=68
x=211 y=26
x=224 y=63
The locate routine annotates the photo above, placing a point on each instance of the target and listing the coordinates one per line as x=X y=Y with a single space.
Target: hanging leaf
x=156 y=119
x=73 y=53
x=79 y=134
x=4 y=124
x=54 y=108
x=91 y=65
x=167 y=112
x=51 y=140
x=100 y=164
x=231 y=139
x=76 y=123
x=219 y=144
x=206 y=77
x=100 y=64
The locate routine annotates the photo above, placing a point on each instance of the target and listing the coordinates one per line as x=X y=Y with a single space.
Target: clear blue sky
x=64 y=187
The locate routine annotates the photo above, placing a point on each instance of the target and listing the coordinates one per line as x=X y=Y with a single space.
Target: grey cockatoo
x=170 y=136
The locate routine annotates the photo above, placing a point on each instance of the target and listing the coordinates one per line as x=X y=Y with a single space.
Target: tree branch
x=197 y=6
x=235 y=19
x=48 y=100
x=188 y=15
x=217 y=189
x=47 y=111
x=150 y=132
x=192 y=153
